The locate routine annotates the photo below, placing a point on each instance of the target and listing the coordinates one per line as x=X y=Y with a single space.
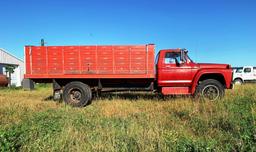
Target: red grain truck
x=78 y=72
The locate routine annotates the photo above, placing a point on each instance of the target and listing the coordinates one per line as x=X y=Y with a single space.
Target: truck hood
x=213 y=66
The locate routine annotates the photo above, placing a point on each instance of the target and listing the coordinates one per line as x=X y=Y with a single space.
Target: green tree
x=9 y=69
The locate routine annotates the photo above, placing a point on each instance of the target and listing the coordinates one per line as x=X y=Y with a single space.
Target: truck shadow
x=131 y=96
x=49 y=98
x=122 y=96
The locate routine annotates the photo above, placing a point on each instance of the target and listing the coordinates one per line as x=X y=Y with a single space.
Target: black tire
x=210 y=90
x=77 y=94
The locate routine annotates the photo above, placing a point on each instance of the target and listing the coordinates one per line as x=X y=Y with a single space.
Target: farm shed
x=7 y=60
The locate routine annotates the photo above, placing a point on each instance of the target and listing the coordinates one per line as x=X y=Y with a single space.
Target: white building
x=8 y=59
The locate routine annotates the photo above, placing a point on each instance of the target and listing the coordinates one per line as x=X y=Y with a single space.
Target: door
x=174 y=72
x=248 y=74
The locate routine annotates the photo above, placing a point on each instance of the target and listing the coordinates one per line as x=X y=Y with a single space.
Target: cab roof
x=171 y=50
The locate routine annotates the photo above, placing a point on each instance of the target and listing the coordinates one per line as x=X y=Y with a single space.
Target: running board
x=176 y=91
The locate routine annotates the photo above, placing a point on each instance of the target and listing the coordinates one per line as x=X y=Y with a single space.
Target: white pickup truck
x=244 y=74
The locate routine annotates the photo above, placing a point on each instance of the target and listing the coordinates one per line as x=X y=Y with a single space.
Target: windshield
x=239 y=70
x=188 y=58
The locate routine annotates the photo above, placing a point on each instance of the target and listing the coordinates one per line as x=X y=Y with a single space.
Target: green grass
x=29 y=121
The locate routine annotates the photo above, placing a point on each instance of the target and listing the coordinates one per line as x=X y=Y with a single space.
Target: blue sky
x=219 y=31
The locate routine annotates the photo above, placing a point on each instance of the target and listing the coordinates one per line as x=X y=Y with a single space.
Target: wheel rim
x=211 y=92
x=237 y=82
x=75 y=95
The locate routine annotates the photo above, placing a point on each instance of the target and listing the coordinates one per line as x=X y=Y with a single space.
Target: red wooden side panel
x=151 y=59
x=27 y=60
x=71 y=60
x=55 y=60
x=138 y=60
x=90 y=61
x=88 y=56
x=122 y=60
x=38 y=57
x=105 y=60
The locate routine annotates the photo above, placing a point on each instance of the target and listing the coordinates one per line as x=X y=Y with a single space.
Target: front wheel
x=77 y=94
x=210 y=90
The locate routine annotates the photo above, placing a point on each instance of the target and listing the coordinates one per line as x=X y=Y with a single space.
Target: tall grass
x=30 y=121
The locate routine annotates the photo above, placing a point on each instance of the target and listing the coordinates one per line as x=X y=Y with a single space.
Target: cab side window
x=239 y=70
x=247 y=70
x=172 y=58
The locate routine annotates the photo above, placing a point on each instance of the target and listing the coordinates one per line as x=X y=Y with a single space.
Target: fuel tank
x=3 y=81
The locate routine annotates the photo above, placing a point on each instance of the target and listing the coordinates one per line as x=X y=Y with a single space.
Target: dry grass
x=127 y=122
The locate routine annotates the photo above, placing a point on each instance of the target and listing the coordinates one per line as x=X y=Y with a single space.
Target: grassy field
x=31 y=121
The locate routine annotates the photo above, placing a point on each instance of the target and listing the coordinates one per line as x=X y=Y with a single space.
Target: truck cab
x=244 y=74
x=177 y=74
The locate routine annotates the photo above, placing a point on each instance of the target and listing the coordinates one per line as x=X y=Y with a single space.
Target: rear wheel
x=77 y=94
x=210 y=90
x=238 y=82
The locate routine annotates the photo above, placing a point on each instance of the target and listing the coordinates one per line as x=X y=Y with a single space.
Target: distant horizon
x=221 y=31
